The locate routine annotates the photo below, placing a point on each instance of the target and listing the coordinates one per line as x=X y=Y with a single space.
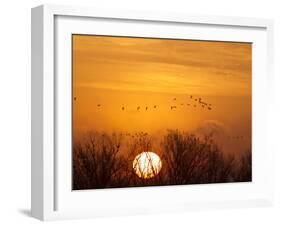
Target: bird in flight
x=146 y=108
x=138 y=108
x=190 y=96
x=172 y=107
x=123 y=108
x=98 y=105
x=155 y=106
x=175 y=98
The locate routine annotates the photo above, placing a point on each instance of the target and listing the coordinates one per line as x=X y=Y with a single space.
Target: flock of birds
x=196 y=102
x=143 y=134
x=132 y=134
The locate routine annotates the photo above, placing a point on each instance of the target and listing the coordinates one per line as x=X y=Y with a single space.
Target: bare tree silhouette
x=96 y=161
x=244 y=167
x=191 y=160
x=106 y=161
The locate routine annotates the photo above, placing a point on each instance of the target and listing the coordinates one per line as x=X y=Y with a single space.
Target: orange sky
x=120 y=72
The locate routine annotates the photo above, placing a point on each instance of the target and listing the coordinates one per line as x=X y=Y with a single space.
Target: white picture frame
x=52 y=197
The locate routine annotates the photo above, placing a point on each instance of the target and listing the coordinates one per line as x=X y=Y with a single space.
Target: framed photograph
x=137 y=112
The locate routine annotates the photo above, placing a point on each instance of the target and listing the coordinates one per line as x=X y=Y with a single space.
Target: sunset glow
x=147 y=165
x=187 y=99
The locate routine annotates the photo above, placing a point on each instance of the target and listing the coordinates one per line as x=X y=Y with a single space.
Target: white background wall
x=15 y=112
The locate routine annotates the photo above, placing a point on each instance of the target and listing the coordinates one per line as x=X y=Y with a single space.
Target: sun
x=147 y=165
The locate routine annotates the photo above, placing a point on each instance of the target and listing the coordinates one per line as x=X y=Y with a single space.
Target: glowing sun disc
x=147 y=165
